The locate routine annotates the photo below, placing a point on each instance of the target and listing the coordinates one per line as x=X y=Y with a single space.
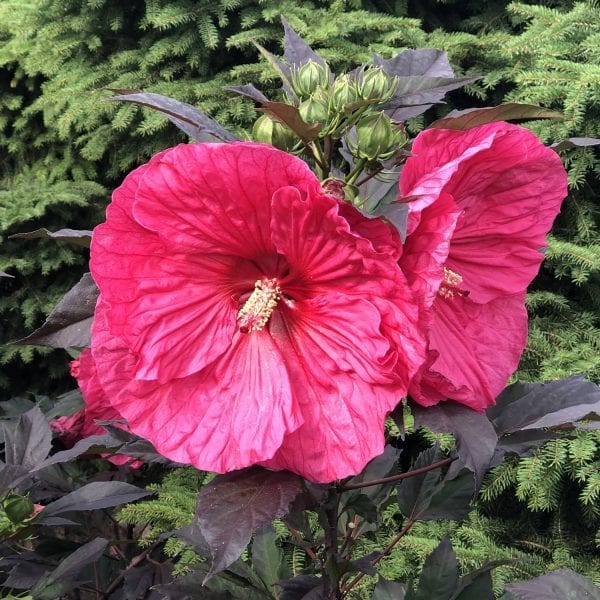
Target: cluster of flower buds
x=348 y=105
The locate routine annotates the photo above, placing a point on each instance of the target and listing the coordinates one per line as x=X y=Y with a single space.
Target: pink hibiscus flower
x=244 y=320
x=498 y=189
x=82 y=423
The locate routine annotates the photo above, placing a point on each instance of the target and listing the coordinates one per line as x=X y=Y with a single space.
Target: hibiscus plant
x=290 y=313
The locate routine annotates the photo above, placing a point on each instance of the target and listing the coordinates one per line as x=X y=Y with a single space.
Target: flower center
x=255 y=313
x=449 y=287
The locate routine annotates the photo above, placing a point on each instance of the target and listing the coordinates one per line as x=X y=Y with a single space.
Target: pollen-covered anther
x=255 y=313
x=449 y=287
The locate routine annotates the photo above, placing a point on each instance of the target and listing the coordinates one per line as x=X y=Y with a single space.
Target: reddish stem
x=400 y=476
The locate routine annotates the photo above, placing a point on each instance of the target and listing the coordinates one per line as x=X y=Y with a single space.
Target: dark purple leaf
x=234 y=505
x=192 y=535
x=25 y=574
x=472 y=117
x=297 y=52
x=290 y=116
x=66 y=404
x=364 y=564
x=381 y=466
x=135 y=446
x=62 y=578
x=439 y=577
x=3 y=274
x=477 y=584
x=283 y=70
x=188 y=118
x=537 y=405
x=521 y=443
x=267 y=557
x=69 y=324
x=249 y=91
x=397 y=214
x=453 y=496
x=93 y=445
x=475 y=435
x=415 y=493
x=189 y=587
x=363 y=506
x=237 y=583
x=29 y=443
x=415 y=94
x=299 y=587
x=98 y=494
x=562 y=584
x=430 y=496
x=388 y=590
x=137 y=582
x=381 y=188
x=15 y=407
x=425 y=61
x=11 y=476
x=56 y=522
x=78 y=237
x=575 y=142
x=480 y=588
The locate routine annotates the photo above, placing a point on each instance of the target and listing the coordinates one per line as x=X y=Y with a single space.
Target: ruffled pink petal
x=323 y=252
x=216 y=197
x=431 y=170
x=327 y=256
x=510 y=190
x=69 y=427
x=83 y=423
x=474 y=349
x=339 y=368
x=382 y=235
x=426 y=250
x=173 y=309
x=231 y=415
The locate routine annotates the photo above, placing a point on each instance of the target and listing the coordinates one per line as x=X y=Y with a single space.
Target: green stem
x=320 y=161
x=356 y=171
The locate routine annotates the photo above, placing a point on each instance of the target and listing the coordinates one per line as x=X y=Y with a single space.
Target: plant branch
x=346 y=588
x=369 y=176
x=303 y=544
x=400 y=476
x=134 y=562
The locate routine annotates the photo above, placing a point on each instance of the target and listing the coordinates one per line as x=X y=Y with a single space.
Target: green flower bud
x=17 y=508
x=315 y=109
x=376 y=84
x=375 y=137
x=309 y=78
x=268 y=131
x=343 y=94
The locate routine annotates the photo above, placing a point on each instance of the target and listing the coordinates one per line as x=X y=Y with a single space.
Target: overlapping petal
x=508 y=188
x=83 y=423
x=474 y=349
x=233 y=413
x=193 y=237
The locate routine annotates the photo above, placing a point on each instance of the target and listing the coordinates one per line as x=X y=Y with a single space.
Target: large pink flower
x=83 y=423
x=499 y=190
x=244 y=320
